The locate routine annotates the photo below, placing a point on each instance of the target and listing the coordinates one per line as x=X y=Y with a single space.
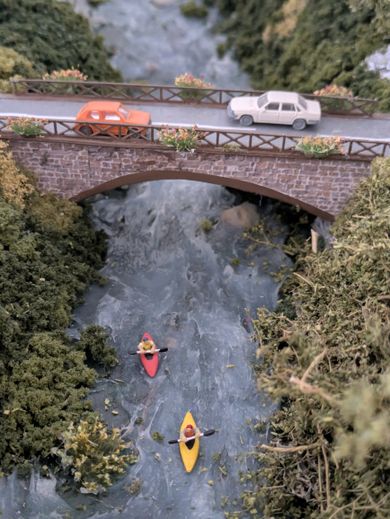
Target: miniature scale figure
x=147 y=346
x=190 y=432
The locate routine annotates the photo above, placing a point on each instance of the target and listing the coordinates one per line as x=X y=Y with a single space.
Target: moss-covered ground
x=324 y=355
x=49 y=254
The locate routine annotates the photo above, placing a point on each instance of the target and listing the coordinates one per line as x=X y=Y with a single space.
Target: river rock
x=228 y=271
x=95 y=198
x=172 y=320
x=243 y=216
x=163 y=3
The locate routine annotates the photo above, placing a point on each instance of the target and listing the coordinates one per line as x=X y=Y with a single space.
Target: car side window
x=112 y=117
x=288 y=107
x=261 y=101
x=94 y=115
x=272 y=106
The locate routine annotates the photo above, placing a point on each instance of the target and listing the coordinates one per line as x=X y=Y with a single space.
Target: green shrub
x=93 y=454
x=231 y=147
x=96 y=3
x=44 y=392
x=206 y=225
x=370 y=85
x=12 y=63
x=329 y=43
x=51 y=36
x=51 y=214
x=63 y=79
x=93 y=340
x=7 y=87
x=325 y=358
x=320 y=147
x=27 y=126
x=182 y=139
x=193 y=10
x=46 y=262
x=194 y=89
x=221 y=50
x=15 y=185
x=157 y=437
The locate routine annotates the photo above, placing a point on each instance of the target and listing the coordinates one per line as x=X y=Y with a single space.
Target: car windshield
x=302 y=102
x=122 y=111
x=262 y=100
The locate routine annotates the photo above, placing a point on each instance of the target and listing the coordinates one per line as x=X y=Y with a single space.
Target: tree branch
x=298 y=448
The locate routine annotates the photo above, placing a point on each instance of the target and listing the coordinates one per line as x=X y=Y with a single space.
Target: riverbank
x=49 y=254
x=324 y=356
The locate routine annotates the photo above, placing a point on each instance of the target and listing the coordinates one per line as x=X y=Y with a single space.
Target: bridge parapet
x=173 y=94
x=229 y=141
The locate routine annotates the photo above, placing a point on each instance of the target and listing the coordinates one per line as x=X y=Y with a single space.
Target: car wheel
x=299 y=124
x=246 y=120
x=86 y=130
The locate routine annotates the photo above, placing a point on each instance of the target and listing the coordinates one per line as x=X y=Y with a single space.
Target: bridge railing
x=225 y=140
x=172 y=94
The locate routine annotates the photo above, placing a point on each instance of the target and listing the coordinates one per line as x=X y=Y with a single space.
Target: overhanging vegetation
x=52 y=36
x=325 y=357
x=49 y=254
x=305 y=45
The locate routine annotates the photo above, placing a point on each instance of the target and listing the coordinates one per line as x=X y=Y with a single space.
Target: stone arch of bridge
x=242 y=185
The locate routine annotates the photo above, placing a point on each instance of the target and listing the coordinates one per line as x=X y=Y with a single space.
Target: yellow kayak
x=189 y=454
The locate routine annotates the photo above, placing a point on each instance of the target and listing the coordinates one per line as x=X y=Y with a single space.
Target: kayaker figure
x=189 y=432
x=147 y=346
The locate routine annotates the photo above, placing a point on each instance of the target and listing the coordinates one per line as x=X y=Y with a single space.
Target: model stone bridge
x=69 y=164
x=80 y=169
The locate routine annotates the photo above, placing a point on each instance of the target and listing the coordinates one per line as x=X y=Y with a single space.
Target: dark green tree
x=52 y=36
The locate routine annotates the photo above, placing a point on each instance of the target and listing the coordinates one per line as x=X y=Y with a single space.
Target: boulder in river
x=163 y=3
x=243 y=216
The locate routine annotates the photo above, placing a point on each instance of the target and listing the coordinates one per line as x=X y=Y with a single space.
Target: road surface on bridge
x=353 y=127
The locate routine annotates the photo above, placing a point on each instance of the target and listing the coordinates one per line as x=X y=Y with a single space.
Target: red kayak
x=149 y=361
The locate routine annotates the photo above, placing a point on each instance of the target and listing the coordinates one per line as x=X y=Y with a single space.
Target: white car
x=275 y=107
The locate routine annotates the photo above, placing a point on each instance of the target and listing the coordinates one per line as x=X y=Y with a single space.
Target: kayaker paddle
x=161 y=350
x=206 y=433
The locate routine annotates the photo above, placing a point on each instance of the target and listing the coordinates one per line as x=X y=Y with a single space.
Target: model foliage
x=49 y=35
x=48 y=256
x=93 y=454
x=325 y=357
x=307 y=44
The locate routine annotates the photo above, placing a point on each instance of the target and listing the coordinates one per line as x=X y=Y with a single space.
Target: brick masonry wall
x=78 y=170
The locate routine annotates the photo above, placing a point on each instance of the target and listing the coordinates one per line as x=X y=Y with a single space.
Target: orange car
x=110 y=112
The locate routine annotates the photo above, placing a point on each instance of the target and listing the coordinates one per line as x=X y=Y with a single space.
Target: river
x=167 y=276
x=151 y=41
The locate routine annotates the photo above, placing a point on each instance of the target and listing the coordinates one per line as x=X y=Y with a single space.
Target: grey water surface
x=168 y=277
x=151 y=41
